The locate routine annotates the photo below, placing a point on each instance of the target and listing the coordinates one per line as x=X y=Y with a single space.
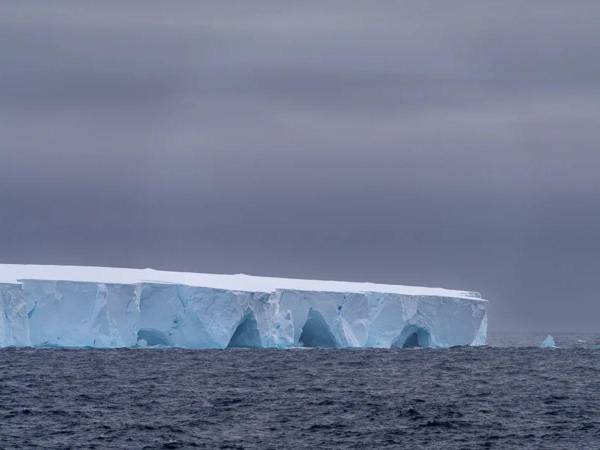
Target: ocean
x=510 y=394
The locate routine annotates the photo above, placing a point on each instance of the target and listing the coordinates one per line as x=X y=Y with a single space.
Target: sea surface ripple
x=458 y=398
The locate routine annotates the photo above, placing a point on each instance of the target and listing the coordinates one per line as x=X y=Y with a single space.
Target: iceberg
x=73 y=306
x=548 y=342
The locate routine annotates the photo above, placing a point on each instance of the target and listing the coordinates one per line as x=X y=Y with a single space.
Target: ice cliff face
x=14 y=327
x=102 y=307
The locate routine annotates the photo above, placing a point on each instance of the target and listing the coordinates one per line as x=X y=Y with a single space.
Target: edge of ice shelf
x=14 y=273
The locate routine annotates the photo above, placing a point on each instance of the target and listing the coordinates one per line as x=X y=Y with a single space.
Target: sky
x=451 y=144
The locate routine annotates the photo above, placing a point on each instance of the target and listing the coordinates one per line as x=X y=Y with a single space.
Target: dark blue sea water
x=507 y=396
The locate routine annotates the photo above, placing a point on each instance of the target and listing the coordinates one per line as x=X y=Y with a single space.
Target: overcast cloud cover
x=449 y=144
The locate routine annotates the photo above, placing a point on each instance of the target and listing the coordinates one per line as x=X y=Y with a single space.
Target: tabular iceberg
x=110 y=307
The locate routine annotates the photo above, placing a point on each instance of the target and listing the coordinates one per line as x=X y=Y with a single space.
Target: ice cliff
x=111 y=307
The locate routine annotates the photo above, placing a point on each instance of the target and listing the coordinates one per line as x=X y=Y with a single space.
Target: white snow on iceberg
x=112 y=307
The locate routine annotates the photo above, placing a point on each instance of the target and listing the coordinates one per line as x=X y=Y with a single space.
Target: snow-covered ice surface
x=114 y=307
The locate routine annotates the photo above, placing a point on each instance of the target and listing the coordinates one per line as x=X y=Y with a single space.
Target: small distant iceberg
x=548 y=342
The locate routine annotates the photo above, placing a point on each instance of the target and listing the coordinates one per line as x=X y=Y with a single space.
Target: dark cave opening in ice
x=316 y=332
x=153 y=337
x=412 y=336
x=246 y=334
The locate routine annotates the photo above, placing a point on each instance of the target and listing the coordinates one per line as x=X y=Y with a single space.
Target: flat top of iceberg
x=13 y=273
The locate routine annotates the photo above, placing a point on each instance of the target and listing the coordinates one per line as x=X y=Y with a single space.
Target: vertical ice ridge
x=481 y=336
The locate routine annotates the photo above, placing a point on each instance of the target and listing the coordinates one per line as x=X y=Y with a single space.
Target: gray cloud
x=428 y=144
